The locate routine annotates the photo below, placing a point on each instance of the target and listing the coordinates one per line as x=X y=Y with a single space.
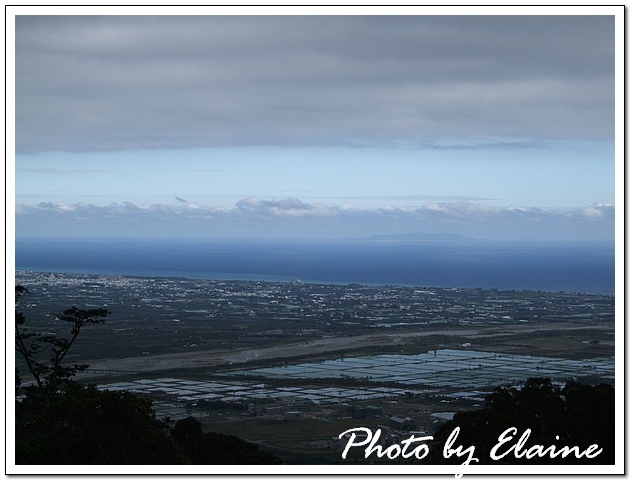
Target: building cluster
x=255 y=311
x=287 y=408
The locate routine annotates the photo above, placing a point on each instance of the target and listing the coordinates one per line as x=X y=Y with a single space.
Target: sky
x=316 y=126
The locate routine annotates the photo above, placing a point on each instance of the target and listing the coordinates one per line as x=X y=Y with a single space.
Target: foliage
x=85 y=426
x=573 y=415
x=44 y=353
x=215 y=448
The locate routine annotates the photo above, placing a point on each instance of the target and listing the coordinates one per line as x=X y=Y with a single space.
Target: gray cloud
x=110 y=83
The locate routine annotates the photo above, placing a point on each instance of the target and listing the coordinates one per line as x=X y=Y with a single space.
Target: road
x=210 y=358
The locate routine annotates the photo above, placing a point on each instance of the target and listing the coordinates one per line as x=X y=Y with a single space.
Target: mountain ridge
x=421 y=237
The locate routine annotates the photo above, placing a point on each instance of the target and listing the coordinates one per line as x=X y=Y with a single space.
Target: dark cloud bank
x=112 y=83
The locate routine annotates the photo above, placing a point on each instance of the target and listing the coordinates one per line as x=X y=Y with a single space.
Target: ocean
x=552 y=267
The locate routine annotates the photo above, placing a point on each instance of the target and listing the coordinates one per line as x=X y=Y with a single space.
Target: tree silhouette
x=44 y=354
x=215 y=448
x=573 y=415
x=86 y=426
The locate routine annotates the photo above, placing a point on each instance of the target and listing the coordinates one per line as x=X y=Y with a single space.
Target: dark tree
x=215 y=448
x=44 y=354
x=573 y=415
x=85 y=426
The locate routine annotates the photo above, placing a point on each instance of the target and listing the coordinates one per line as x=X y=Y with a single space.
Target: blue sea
x=553 y=267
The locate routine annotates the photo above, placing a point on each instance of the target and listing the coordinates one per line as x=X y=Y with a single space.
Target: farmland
x=292 y=365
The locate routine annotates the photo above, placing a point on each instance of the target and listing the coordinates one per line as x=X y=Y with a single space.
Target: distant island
x=421 y=237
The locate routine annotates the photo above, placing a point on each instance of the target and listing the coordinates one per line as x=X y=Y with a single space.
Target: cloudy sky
x=330 y=126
